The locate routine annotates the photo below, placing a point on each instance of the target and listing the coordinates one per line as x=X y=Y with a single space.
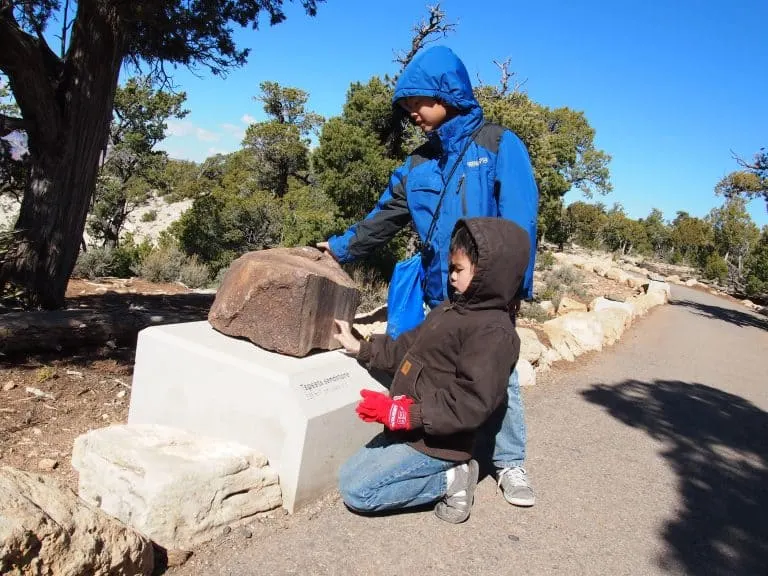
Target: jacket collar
x=451 y=136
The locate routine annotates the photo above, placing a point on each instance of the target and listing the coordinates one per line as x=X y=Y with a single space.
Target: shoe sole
x=520 y=502
x=474 y=475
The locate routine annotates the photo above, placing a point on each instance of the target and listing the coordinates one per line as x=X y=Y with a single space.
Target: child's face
x=461 y=271
x=427 y=113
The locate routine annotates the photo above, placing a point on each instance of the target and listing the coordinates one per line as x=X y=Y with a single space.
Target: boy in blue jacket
x=494 y=179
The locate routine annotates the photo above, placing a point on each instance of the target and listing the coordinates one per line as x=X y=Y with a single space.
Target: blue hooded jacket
x=495 y=177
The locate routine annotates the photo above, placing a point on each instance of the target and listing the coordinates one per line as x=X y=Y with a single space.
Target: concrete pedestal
x=299 y=412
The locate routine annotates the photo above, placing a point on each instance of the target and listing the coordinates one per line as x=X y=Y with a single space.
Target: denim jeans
x=389 y=476
x=507 y=428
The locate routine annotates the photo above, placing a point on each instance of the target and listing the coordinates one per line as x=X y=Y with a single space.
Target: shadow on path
x=737 y=317
x=718 y=445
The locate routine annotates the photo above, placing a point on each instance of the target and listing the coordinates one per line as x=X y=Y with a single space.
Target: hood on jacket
x=503 y=250
x=437 y=73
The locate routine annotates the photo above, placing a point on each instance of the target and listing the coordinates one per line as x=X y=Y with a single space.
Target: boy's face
x=427 y=113
x=461 y=271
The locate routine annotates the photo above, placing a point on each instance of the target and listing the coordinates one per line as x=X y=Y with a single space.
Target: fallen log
x=61 y=330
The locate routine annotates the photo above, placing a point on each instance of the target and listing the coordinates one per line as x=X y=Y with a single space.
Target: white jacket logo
x=478 y=162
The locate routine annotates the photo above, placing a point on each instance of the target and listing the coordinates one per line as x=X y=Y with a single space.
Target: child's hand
x=345 y=337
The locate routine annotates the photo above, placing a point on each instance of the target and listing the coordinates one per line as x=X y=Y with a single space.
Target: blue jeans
x=507 y=427
x=389 y=476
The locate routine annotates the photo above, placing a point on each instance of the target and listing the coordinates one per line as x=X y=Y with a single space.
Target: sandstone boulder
x=574 y=334
x=568 y=305
x=284 y=300
x=177 y=488
x=46 y=529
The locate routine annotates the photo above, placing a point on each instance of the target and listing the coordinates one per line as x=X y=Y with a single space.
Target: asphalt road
x=648 y=458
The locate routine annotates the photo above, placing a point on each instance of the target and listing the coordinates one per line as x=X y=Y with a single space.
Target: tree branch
x=10 y=124
x=426 y=32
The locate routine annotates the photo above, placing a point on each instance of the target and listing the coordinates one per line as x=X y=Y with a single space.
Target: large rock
x=568 y=305
x=614 y=321
x=599 y=304
x=284 y=300
x=617 y=275
x=530 y=347
x=575 y=334
x=601 y=267
x=45 y=529
x=177 y=488
x=663 y=288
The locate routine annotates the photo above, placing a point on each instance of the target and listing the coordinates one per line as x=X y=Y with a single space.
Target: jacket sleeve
x=482 y=373
x=383 y=353
x=518 y=196
x=385 y=220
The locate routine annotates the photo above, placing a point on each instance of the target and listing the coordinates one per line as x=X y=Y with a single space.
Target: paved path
x=650 y=458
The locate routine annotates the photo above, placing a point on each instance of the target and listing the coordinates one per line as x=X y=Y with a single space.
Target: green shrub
x=149 y=216
x=163 y=264
x=545 y=261
x=716 y=268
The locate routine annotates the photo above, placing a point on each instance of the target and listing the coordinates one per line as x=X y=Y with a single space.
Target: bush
x=373 y=288
x=194 y=274
x=532 y=311
x=149 y=216
x=94 y=263
x=163 y=264
x=545 y=261
x=716 y=268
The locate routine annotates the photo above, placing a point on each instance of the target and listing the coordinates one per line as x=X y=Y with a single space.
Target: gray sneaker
x=514 y=485
x=457 y=502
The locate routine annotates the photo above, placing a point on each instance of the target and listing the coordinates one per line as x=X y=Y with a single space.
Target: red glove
x=378 y=407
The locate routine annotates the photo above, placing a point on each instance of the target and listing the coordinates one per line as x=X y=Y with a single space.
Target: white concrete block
x=299 y=412
x=177 y=488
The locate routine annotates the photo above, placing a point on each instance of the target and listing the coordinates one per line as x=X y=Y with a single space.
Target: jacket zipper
x=461 y=189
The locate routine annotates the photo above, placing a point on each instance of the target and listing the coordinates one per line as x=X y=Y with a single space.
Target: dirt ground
x=49 y=399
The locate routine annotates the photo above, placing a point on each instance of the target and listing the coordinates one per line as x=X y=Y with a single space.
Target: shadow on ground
x=737 y=317
x=717 y=444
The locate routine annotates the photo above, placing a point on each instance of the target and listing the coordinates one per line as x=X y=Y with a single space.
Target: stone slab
x=299 y=412
x=177 y=488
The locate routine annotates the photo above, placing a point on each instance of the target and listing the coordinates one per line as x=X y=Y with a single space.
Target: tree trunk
x=67 y=106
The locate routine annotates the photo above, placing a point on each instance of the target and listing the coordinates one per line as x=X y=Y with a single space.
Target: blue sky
x=671 y=88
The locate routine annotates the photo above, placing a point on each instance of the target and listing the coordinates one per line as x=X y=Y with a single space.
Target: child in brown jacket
x=450 y=375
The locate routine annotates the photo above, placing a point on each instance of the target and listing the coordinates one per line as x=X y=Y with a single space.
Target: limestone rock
x=568 y=305
x=530 y=347
x=691 y=282
x=46 y=529
x=601 y=268
x=177 y=488
x=526 y=373
x=284 y=300
x=617 y=275
x=548 y=307
x=574 y=334
x=674 y=279
x=599 y=304
x=614 y=321
x=635 y=282
x=660 y=287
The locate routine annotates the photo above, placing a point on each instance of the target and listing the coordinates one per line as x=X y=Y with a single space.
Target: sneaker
x=514 y=485
x=457 y=502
